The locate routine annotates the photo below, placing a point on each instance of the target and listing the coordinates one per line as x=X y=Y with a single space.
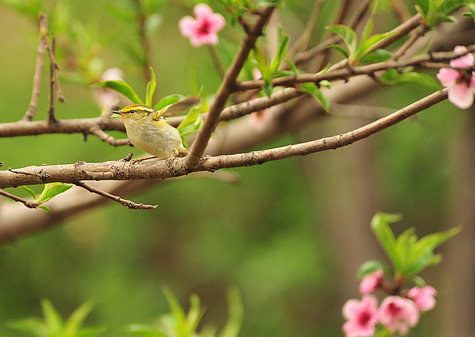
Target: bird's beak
x=117 y=112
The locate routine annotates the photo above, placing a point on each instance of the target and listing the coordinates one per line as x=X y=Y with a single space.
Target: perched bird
x=149 y=131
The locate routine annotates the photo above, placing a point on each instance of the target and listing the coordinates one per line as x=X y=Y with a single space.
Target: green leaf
x=53 y=320
x=292 y=66
x=29 y=190
x=366 y=45
x=424 y=5
x=74 y=322
x=194 y=315
x=470 y=5
x=31 y=326
x=312 y=89
x=339 y=49
x=44 y=207
x=422 y=255
x=121 y=87
x=191 y=123
x=167 y=100
x=392 y=76
x=380 y=227
x=235 y=312
x=177 y=312
x=51 y=190
x=150 y=88
x=268 y=88
x=378 y=55
x=368 y=29
x=348 y=36
x=282 y=47
x=418 y=281
x=145 y=330
x=371 y=266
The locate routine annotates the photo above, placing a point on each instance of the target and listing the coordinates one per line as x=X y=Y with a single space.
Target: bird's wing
x=177 y=108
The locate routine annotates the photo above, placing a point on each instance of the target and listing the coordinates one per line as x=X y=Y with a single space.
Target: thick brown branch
x=24 y=128
x=161 y=169
x=224 y=91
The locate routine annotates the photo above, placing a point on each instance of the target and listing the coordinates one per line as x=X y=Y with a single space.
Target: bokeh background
x=290 y=235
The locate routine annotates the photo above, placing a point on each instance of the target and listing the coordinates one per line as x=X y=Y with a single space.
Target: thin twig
x=27 y=203
x=345 y=73
x=224 y=91
x=97 y=131
x=417 y=34
x=147 y=49
x=124 y=202
x=51 y=115
x=31 y=112
x=304 y=38
x=54 y=68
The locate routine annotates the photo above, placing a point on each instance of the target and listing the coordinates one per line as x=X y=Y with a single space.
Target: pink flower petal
x=460 y=95
x=398 y=314
x=423 y=297
x=362 y=316
x=371 y=282
x=448 y=76
x=187 y=26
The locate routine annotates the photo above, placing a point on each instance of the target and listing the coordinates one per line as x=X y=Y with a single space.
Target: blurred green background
x=291 y=235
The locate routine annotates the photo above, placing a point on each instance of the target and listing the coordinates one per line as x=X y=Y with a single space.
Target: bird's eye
x=131 y=111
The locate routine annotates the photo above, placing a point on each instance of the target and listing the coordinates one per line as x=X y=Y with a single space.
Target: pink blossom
x=398 y=314
x=423 y=297
x=460 y=83
x=371 y=282
x=362 y=316
x=204 y=29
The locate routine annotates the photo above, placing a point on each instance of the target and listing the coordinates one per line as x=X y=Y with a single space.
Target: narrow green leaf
x=424 y=5
x=368 y=29
x=121 y=87
x=31 y=326
x=282 y=47
x=177 y=312
x=348 y=36
x=235 y=312
x=339 y=49
x=292 y=66
x=470 y=5
x=29 y=191
x=418 y=281
x=365 y=46
x=44 y=207
x=150 y=88
x=145 y=330
x=167 y=100
x=194 y=315
x=53 y=320
x=51 y=190
x=188 y=127
x=371 y=266
x=392 y=76
x=384 y=234
x=378 y=55
x=313 y=90
x=74 y=322
x=267 y=88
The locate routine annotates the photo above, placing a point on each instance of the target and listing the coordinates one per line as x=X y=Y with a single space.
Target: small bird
x=149 y=131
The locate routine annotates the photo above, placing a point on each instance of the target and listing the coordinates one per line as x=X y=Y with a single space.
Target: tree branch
x=224 y=91
x=161 y=169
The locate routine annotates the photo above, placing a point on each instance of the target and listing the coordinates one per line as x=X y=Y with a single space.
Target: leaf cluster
x=408 y=254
